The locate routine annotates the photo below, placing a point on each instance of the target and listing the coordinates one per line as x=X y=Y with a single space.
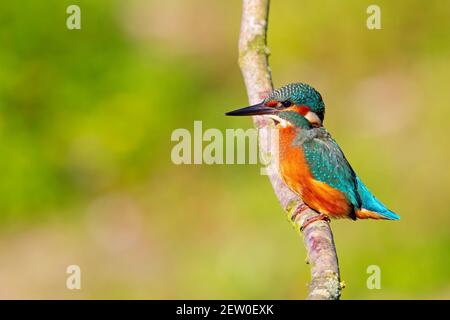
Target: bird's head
x=284 y=105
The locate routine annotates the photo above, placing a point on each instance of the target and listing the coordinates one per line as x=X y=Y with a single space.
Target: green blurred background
x=86 y=176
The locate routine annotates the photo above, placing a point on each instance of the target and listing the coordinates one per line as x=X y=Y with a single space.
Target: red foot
x=313 y=219
x=299 y=211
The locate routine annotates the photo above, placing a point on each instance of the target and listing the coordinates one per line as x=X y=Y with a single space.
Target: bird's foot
x=298 y=211
x=318 y=217
x=302 y=208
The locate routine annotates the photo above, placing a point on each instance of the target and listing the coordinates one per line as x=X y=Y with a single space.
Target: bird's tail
x=371 y=207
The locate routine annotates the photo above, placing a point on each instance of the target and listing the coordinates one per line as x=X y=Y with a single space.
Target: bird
x=311 y=163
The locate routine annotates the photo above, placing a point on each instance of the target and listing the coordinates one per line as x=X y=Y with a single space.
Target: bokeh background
x=86 y=176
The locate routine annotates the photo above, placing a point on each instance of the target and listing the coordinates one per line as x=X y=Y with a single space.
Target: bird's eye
x=286 y=103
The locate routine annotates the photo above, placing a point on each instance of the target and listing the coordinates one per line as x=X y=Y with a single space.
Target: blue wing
x=329 y=165
x=369 y=202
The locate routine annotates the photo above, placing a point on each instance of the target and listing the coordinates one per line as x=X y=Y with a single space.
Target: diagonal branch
x=318 y=238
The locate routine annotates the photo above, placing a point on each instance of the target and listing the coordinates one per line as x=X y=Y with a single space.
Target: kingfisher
x=311 y=163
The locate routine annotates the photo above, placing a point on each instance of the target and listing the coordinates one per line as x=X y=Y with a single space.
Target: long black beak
x=255 y=110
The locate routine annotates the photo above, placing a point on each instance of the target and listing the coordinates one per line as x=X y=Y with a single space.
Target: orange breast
x=295 y=172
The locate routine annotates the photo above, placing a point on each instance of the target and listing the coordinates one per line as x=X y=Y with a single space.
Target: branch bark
x=318 y=238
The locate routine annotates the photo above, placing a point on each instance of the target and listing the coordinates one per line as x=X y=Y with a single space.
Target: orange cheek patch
x=301 y=109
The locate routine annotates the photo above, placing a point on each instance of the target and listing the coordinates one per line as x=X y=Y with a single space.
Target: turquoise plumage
x=328 y=164
x=370 y=202
x=311 y=162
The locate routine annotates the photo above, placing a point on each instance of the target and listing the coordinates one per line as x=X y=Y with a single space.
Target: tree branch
x=318 y=238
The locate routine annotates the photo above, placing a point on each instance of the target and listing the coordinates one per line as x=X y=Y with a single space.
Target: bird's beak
x=255 y=110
